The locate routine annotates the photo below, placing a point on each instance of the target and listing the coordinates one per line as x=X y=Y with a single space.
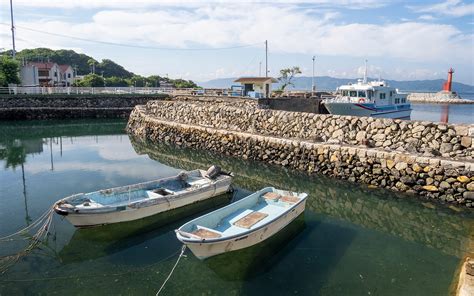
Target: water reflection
x=354 y=240
x=430 y=224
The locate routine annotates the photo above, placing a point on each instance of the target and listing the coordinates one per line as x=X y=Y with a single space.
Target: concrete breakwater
x=438 y=98
x=350 y=148
x=18 y=107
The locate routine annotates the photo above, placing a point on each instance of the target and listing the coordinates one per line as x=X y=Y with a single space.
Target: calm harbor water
x=436 y=112
x=351 y=240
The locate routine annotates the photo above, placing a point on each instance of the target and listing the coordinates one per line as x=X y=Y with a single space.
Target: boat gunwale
x=245 y=232
x=113 y=208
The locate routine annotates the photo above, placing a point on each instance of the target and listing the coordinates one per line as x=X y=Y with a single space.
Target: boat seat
x=205 y=233
x=271 y=196
x=250 y=220
x=290 y=199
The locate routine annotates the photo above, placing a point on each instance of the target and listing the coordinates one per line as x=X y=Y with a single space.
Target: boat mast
x=365 y=72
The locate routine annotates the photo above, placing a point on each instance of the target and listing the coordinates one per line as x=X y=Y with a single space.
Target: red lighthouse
x=448 y=83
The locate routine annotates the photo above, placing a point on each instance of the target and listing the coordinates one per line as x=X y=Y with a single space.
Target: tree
x=116 y=81
x=9 y=71
x=91 y=63
x=181 y=83
x=91 y=80
x=110 y=69
x=287 y=75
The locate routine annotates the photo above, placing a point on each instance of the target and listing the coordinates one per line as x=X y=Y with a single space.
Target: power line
x=130 y=45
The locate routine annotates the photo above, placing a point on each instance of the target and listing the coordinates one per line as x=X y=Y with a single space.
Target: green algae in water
x=351 y=240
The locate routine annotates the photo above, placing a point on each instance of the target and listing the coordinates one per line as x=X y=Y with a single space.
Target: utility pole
x=260 y=69
x=312 y=79
x=13 y=29
x=266 y=58
x=365 y=72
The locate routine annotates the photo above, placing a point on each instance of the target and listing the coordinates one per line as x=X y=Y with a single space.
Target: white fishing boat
x=370 y=99
x=132 y=202
x=243 y=223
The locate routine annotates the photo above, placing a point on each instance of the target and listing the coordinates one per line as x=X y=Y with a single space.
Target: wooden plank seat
x=289 y=199
x=205 y=233
x=271 y=196
x=249 y=220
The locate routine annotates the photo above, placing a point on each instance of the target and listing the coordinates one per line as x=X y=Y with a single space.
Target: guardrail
x=44 y=90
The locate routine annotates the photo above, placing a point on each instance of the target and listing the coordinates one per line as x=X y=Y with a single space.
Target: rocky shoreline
x=350 y=148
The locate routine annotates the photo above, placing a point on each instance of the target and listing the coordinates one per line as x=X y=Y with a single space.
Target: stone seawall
x=438 y=178
x=20 y=107
x=430 y=139
x=438 y=98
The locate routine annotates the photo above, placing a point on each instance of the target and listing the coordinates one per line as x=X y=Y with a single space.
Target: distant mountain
x=331 y=83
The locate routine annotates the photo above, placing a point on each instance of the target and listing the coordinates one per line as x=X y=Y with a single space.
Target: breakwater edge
x=427 y=159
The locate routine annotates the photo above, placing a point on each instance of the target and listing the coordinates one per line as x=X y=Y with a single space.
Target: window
x=353 y=93
x=43 y=73
x=391 y=93
x=382 y=96
x=404 y=100
x=397 y=100
x=55 y=74
x=361 y=93
x=68 y=75
x=370 y=93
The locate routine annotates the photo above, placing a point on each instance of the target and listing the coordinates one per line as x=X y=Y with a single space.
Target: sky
x=204 y=40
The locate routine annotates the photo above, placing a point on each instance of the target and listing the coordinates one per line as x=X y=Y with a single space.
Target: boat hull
x=130 y=214
x=203 y=250
x=367 y=110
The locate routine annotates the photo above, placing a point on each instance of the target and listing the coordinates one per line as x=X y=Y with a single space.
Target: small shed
x=256 y=87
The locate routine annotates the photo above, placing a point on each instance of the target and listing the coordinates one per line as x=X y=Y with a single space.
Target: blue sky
x=402 y=40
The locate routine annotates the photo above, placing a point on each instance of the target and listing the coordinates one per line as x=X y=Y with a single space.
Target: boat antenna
x=365 y=72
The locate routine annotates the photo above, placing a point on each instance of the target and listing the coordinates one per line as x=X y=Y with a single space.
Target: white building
x=46 y=74
x=256 y=87
x=67 y=75
x=29 y=75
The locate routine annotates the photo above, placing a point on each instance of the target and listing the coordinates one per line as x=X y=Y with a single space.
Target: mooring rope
x=42 y=223
x=92 y=275
x=29 y=227
x=172 y=270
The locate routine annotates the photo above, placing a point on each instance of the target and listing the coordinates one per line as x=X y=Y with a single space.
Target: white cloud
x=288 y=29
x=140 y=4
x=426 y=17
x=456 y=8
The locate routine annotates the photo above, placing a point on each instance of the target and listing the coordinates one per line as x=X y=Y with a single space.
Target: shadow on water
x=97 y=242
x=249 y=262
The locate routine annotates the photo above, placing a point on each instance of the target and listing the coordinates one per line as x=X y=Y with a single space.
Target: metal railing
x=45 y=90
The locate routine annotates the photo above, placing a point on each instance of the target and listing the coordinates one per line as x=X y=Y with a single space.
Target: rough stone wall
x=428 y=138
x=436 y=178
x=438 y=98
x=21 y=107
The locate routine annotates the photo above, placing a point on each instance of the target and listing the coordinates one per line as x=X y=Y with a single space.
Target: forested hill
x=80 y=61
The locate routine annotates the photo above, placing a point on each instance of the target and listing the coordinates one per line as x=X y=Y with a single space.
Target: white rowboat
x=132 y=202
x=243 y=223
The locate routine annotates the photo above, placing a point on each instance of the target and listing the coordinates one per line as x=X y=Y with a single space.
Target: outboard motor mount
x=213 y=172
